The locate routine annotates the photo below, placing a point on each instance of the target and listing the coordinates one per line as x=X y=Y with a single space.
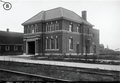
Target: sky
x=103 y=14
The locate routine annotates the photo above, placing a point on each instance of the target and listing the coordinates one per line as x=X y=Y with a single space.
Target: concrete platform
x=26 y=59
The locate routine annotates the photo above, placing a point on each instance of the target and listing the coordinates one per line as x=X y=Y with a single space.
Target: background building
x=60 y=31
x=11 y=43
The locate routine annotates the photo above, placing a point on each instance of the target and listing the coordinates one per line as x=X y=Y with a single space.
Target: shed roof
x=11 y=37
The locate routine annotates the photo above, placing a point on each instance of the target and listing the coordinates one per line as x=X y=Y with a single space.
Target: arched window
x=47 y=27
x=52 y=43
x=47 y=43
x=70 y=43
x=70 y=27
x=7 y=48
x=56 y=42
x=28 y=29
x=15 y=48
x=56 y=26
x=52 y=26
x=32 y=29
x=36 y=28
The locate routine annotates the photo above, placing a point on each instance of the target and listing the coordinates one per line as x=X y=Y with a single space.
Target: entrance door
x=31 y=47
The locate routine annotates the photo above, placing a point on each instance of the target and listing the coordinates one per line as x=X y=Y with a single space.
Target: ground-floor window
x=15 y=48
x=70 y=43
x=7 y=48
x=52 y=43
x=94 y=48
x=56 y=43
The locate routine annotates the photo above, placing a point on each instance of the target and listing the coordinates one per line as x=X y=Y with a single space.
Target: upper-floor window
x=28 y=29
x=71 y=27
x=52 y=26
x=56 y=26
x=36 y=28
x=88 y=30
x=7 y=48
x=71 y=43
x=81 y=29
x=15 y=48
x=32 y=28
x=47 y=27
x=78 y=28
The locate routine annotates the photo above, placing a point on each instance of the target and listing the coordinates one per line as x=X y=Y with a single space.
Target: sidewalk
x=60 y=63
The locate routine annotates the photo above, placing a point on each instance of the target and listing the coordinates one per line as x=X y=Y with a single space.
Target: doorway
x=31 y=47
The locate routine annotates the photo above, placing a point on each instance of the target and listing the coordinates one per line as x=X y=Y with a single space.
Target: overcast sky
x=105 y=15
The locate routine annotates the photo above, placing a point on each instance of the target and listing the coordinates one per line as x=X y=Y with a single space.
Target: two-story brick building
x=60 y=31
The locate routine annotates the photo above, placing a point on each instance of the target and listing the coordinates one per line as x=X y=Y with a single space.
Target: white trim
x=11 y=44
x=53 y=53
x=37 y=53
x=51 y=49
x=33 y=39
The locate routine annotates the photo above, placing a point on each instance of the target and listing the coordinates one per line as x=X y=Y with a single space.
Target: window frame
x=7 y=48
x=15 y=48
x=47 y=43
x=71 y=43
x=56 y=42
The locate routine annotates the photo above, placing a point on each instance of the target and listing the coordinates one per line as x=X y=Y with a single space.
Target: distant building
x=11 y=43
x=60 y=31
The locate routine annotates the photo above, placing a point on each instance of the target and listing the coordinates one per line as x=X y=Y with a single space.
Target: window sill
x=70 y=49
x=51 y=49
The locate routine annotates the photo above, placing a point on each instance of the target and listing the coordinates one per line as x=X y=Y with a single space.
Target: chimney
x=84 y=15
x=7 y=30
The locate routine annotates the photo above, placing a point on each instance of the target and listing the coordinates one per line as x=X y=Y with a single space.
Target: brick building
x=11 y=43
x=60 y=31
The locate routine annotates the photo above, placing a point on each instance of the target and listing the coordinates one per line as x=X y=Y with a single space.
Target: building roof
x=56 y=13
x=11 y=37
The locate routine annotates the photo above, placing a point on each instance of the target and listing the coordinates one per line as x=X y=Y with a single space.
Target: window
x=94 y=48
x=47 y=27
x=56 y=26
x=36 y=28
x=28 y=29
x=32 y=27
x=0 y=47
x=71 y=27
x=52 y=43
x=47 y=43
x=93 y=35
x=88 y=30
x=52 y=26
x=21 y=47
x=70 y=43
x=78 y=29
x=7 y=48
x=56 y=42
x=15 y=48
x=81 y=29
